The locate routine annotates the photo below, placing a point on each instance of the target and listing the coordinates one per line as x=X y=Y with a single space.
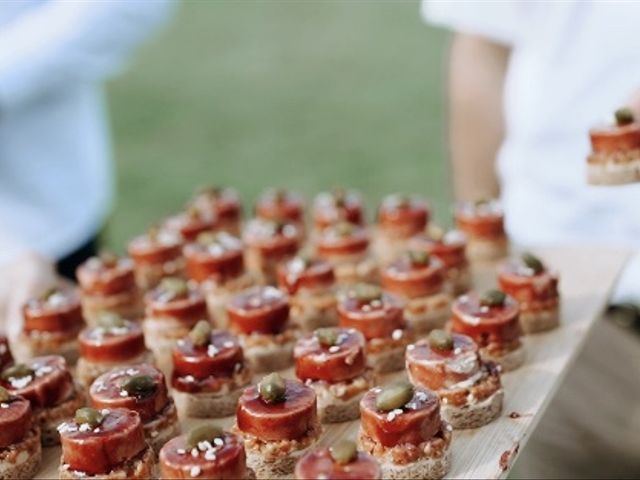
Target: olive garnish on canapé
x=272 y=388
x=440 y=340
x=328 y=337
x=19 y=370
x=139 y=385
x=394 y=396
x=200 y=334
x=90 y=416
x=532 y=262
x=493 y=298
x=344 y=451
x=203 y=433
x=624 y=116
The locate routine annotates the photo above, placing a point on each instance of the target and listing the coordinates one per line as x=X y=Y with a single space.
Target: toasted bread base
x=480 y=249
x=333 y=407
x=162 y=428
x=312 y=310
x=386 y=361
x=87 y=371
x=426 y=468
x=473 y=415
x=459 y=280
x=217 y=297
x=207 y=405
x=269 y=358
x=279 y=468
x=613 y=173
x=26 y=347
x=539 y=321
x=142 y=466
x=49 y=418
x=507 y=362
x=160 y=336
x=22 y=459
x=127 y=304
x=430 y=318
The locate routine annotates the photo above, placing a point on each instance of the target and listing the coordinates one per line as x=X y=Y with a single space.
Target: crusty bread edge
x=207 y=405
x=473 y=415
x=426 y=468
x=31 y=465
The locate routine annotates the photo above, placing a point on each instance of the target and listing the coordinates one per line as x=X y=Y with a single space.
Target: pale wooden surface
x=587 y=276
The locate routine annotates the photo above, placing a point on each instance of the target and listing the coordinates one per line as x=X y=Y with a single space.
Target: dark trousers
x=67 y=265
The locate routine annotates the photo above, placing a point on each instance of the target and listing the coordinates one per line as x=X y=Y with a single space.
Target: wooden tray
x=587 y=277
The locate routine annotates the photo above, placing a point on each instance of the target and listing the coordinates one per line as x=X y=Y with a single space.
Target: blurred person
x=527 y=80
x=55 y=159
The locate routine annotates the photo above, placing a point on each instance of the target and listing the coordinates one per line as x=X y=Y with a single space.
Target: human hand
x=26 y=277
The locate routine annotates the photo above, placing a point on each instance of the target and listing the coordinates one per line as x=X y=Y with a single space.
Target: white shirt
x=55 y=161
x=572 y=64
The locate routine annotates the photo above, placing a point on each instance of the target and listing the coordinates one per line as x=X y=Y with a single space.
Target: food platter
x=587 y=277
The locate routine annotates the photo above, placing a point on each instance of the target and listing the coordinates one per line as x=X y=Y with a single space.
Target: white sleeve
x=62 y=42
x=499 y=21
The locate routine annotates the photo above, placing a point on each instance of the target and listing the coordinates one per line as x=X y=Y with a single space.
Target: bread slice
x=162 y=428
x=428 y=313
x=140 y=467
x=386 y=361
x=426 y=468
x=269 y=358
x=50 y=418
x=613 y=173
x=473 y=415
x=32 y=345
x=480 y=249
x=207 y=404
x=279 y=468
x=539 y=321
x=22 y=459
x=340 y=402
x=507 y=362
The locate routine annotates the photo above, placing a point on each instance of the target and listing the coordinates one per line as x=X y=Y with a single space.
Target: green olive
x=394 y=396
x=200 y=334
x=139 y=385
x=366 y=292
x=327 y=336
x=177 y=287
x=5 y=396
x=108 y=258
x=110 y=320
x=272 y=388
x=440 y=340
x=19 y=370
x=418 y=257
x=493 y=298
x=89 y=415
x=203 y=433
x=532 y=262
x=344 y=451
x=480 y=202
x=624 y=116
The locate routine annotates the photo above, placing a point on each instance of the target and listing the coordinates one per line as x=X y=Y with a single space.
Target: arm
x=65 y=42
x=477 y=70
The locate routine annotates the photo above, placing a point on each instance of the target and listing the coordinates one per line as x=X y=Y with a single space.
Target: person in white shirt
x=526 y=82
x=56 y=177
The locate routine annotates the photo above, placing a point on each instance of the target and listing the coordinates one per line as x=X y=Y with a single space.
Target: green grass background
x=303 y=94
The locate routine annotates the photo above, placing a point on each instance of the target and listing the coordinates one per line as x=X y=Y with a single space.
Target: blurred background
x=307 y=95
